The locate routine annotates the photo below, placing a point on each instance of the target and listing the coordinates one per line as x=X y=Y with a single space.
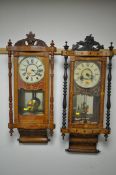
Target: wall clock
x=85 y=121
x=31 y=62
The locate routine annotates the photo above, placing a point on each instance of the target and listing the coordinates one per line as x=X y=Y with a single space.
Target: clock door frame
x=103 y=61
x=32 y=121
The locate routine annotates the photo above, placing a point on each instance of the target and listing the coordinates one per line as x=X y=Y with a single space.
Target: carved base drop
x=83 y=143
x=33 y=136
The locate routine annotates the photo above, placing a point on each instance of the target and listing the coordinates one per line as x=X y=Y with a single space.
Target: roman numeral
x=92 y=65
x=40 y=70
x=82 y=65
x=32 y=61
x=24 y=73
x=27 y=61
x=87 y=64
x=95 y=69
x=22 y=69
x=40 y=65
x=39 y=74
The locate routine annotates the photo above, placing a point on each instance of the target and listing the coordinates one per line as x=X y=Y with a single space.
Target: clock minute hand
x=33 y=70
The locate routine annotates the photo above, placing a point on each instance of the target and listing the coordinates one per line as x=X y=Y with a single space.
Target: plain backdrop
x=63 y=20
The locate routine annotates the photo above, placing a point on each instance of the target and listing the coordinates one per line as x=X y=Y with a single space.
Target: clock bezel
x=90 y=87
x=39 y=58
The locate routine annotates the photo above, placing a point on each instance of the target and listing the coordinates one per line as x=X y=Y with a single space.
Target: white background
x=60 y=21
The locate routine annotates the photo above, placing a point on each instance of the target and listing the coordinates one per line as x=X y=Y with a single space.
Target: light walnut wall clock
x=87 y=83
x=31 y=99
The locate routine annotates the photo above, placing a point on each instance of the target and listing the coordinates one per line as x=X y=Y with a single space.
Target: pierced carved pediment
x=31 y=41
x=89 y=44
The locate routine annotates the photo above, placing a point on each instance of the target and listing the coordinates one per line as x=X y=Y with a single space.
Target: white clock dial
x=87 y=74
x=31 y=69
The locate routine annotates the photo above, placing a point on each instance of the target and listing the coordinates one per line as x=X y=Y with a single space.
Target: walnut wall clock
x=85 y=121
x=32 y=63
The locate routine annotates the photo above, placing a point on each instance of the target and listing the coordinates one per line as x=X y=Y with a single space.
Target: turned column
x=10 y=88
x=109 y=81
x=64 y=114
x=52 y=87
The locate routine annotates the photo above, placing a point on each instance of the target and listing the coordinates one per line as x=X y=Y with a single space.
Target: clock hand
x=33 y=70
x=83 y=78
x=36 y=70
x=88 y=75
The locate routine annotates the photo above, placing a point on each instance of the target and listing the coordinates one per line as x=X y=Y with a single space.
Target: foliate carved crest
x=88 y=45
x=30 y=41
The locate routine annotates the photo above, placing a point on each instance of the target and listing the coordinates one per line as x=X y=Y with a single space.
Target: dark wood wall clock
x=31 y=111
x=85 y=122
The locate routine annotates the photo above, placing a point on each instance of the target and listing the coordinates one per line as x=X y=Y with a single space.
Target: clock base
x=83 y=143
x=33 y=136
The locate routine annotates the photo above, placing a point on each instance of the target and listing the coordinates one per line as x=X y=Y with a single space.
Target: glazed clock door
x=87 y=87
x=33 y=69
x=32 y=90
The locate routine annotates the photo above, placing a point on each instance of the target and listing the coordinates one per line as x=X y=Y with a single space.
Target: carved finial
x=66 y=45
x=111 y=46
x=89 y=38
x=52 y=43
x=9 y=42
x=11 y=132
x=30 y=35
x=30 y=38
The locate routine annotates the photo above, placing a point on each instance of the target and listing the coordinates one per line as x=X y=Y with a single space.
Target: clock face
x=31 y=69
x=86 y=74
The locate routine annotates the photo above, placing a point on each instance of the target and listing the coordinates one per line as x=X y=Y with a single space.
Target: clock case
x=32 y=128
x=83 y=138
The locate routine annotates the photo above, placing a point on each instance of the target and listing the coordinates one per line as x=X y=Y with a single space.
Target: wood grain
x=60 y=51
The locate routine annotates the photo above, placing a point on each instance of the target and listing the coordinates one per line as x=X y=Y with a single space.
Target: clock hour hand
x=88 y=77
x=34 y=71
x=37 y=72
